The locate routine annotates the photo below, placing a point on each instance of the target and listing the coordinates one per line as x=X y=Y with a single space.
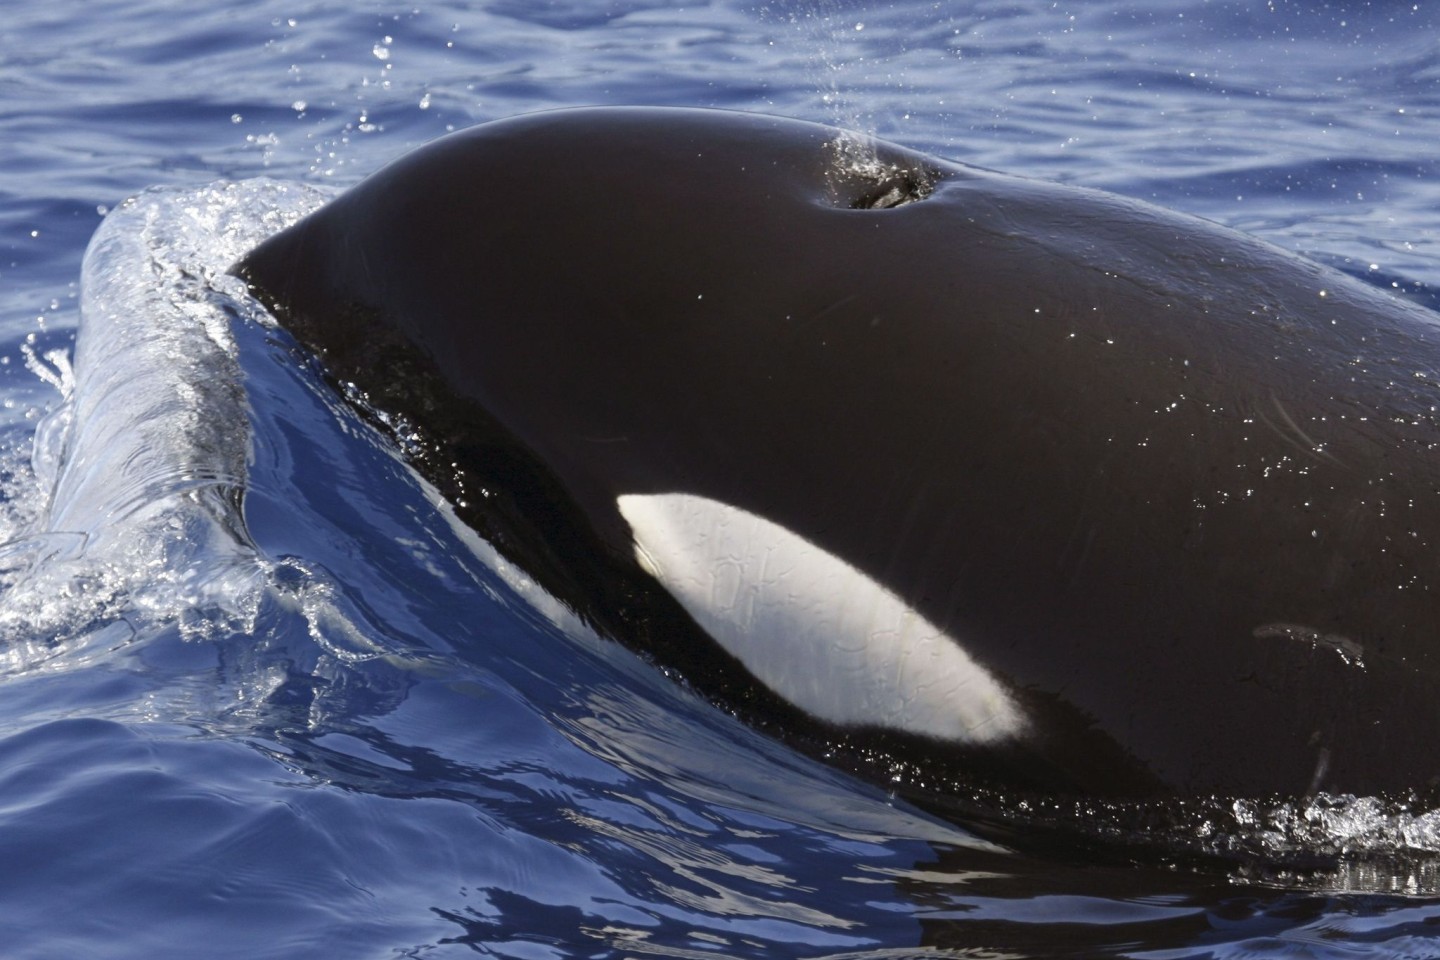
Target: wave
x=139 y=471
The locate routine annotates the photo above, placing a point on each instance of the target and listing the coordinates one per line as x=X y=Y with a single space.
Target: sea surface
x=261 y=696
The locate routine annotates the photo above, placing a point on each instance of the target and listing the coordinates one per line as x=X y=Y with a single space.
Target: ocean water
x=317 y=721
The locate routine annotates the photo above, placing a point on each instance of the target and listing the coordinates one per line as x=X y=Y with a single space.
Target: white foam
x=142 y=464
x=812 y=628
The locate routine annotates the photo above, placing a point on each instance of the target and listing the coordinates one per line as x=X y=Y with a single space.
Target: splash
x=1323 y=842
x=139 y=471
x=833 y=37
x=856 y=57
x=1340 y=842
x=829 y=34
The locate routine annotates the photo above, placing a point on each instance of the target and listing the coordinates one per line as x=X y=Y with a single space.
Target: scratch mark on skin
x=1306 y=443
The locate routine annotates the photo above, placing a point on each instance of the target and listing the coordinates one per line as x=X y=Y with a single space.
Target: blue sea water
x=325 y=726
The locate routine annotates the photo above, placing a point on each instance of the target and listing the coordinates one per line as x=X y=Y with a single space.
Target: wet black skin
x=1174 y=486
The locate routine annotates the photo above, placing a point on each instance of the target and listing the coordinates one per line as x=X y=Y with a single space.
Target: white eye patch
x=812 y=628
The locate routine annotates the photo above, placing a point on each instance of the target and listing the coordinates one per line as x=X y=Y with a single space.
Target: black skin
x=1175 y=487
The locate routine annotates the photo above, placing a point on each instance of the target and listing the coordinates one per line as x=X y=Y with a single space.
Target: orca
x=1032 y=485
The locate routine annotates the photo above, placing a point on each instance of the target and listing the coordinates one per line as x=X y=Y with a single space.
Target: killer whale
x=1046 y=486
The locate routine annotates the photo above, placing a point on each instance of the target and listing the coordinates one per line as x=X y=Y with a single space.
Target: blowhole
x=862 y=179
x=900 y=188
